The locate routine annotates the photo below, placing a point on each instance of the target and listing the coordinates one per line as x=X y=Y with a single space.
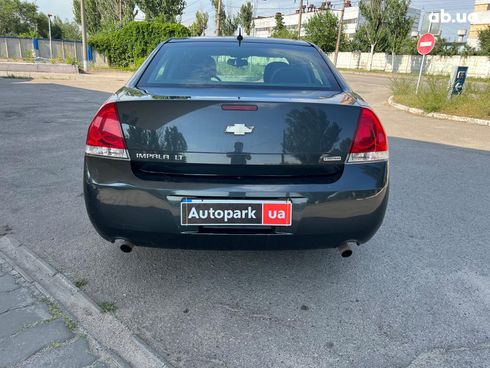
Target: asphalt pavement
x=417 y=295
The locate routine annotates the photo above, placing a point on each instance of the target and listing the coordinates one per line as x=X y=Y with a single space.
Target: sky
x=63 y=8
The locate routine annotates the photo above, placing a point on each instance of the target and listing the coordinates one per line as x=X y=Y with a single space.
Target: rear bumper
x=147 y=213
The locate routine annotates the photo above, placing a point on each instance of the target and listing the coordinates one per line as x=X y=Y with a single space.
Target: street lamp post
x=339 y=33
x=299 y=18
x=50 y=41
x=84 y=36
x=218 y=19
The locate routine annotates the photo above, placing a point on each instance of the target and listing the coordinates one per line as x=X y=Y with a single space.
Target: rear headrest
x=271 y=68
x=290 y=75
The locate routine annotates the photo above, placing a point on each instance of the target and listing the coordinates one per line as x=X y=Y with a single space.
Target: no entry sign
x=424 y=47
x=426 y=44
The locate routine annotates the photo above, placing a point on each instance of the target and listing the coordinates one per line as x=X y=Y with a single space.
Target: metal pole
x=420 y=75
x=339 y=34
x=84 y=36
x=50 y=41
x=218 y=19
x=423 y=62
x=254 y=16
x=300 y=18
x=6 y=47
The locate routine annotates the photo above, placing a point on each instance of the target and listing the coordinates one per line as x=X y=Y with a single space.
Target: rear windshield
x=221 y=64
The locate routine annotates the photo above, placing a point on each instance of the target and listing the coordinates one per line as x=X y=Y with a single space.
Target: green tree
x=398 y=25
x=280 y=30
x=441 y=47
x=165 y=11
x=245 y=17
x=360 y=40
x=280 y=26
x=200 y=23
x=42 y=28
x=56 y=27
x=444 y=48
x=59 y=29
x=17 y=17
x=104 y=14
x=285 y=33
x=468 y=51
x=409 y=46
x=373 y=11
x=484 y=38
x=229 y=26
x=69 y=30
x=322 y=29
x=116 y=11
x=92 y=15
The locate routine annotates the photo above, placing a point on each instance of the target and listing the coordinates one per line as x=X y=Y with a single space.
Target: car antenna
x=239 y=37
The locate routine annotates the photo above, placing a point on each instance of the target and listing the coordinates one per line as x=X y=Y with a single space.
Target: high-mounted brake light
x=105 y=137
x=370 y=141
x=236 y=107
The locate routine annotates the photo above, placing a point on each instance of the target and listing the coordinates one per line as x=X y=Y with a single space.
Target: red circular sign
x=426 y=44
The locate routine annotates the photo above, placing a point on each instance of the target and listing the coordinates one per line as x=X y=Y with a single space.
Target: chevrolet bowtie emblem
x=239 y=129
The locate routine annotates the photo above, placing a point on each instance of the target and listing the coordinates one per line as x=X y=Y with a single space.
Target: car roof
x=246 y=39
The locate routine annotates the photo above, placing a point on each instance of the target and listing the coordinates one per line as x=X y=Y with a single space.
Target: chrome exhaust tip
x=346 y=249
x=124 y=245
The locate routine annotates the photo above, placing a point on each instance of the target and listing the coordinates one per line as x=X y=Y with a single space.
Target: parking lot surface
x=417 y=295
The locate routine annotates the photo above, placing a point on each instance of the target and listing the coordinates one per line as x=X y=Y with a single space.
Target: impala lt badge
x=239 y=129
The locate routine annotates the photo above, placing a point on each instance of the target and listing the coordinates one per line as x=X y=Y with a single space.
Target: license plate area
x=204 y=212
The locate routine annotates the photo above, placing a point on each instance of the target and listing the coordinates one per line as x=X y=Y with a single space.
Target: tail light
x=105 y=137
x=370 y=142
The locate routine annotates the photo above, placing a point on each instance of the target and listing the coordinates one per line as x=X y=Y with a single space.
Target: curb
x=103 y=327
x=22 y=67
x=437 y=115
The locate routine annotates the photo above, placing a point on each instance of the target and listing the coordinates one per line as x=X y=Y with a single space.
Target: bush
x=138 y=62
x=135 y=41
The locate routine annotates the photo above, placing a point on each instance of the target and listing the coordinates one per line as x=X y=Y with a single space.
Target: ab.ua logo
x=446 y=17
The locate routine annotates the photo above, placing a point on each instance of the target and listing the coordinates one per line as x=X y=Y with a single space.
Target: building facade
x=264 y=26
x=480 y=20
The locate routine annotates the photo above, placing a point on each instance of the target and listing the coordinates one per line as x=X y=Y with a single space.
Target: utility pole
x=339 y=34
x=300 y=16
x=254 y=16
x=84 y=36
x=50 y=39
x=218 y=19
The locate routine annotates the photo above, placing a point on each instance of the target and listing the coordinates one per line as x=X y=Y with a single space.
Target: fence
x=479 y=66
x=27 y=48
